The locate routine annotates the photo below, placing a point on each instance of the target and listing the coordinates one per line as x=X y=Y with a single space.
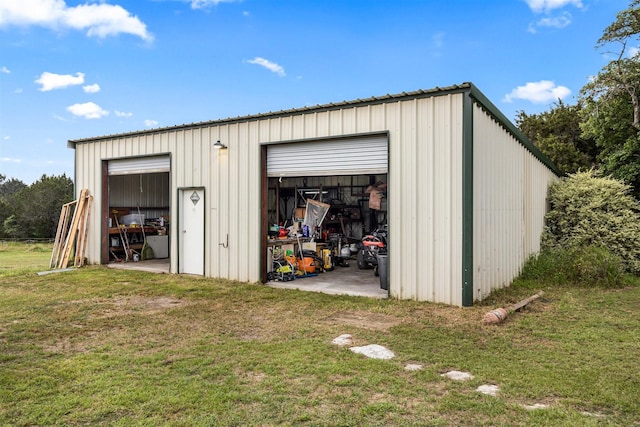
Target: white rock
x=413 y=367
x=374 y=351
x=489 y=389
x=592 y=414
x=535 y=406
x=457 y=375
x=344 y=339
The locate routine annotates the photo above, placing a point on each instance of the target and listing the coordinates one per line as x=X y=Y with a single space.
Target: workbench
x=135 y=236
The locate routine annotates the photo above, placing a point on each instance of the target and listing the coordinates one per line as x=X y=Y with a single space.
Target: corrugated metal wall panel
x=424 y=198
x=509 y=191
x=148 y=190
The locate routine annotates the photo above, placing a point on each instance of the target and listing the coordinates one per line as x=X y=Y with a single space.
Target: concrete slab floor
x=341 y=281
x=155 y=265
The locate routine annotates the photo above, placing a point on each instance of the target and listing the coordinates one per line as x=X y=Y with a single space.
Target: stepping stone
x=535 y=406
x=342 y=340
x=374 y=351
x=489 y=389
x=457 y=375
x=413 y=367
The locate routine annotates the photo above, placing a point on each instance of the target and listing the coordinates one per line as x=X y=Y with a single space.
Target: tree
x=611 y=113
x=558 y=135
x=8 y=187
x=37 y=207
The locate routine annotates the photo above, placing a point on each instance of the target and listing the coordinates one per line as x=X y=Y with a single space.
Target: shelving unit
x=135 y=238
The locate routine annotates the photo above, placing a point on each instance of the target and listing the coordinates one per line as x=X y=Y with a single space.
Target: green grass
x=21 y=257
x=110 y=347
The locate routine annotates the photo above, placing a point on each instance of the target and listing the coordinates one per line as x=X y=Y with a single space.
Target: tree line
x=602 y=129
x=32 y=211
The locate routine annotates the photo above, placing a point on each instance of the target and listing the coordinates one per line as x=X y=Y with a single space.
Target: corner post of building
x=467 y=200
x=264 y=189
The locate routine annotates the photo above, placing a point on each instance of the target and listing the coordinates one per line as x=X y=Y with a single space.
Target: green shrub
x=588 y=209
x=590 y=266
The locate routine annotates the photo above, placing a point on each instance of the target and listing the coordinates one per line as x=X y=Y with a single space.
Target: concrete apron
x=341 y=281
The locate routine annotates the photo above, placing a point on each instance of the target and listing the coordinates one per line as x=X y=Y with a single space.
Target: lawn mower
x=371 y=246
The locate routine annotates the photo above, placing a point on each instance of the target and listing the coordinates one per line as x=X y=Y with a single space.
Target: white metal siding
x=425 y=193
x=345 y=156
x=425 y=196
x=509 y=193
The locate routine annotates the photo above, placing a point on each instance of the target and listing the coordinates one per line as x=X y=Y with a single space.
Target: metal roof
x=331 y=106
x=469 y=87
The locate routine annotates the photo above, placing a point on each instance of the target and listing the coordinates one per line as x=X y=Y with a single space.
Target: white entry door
x=191 y=230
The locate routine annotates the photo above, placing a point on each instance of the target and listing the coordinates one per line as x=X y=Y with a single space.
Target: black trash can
x=383 y=271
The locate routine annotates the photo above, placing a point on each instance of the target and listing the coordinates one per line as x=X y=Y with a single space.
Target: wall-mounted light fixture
x=219 y=145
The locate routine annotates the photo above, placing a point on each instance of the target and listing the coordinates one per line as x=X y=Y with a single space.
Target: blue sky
x=78 y=69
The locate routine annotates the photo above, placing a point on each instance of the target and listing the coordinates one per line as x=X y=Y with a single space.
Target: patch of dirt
x=364 y=320
x=140 y=305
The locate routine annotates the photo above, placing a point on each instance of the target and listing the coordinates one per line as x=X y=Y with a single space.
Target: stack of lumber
x=72 y=232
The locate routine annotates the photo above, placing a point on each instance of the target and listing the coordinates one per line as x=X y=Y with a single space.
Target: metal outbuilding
x=465 y=190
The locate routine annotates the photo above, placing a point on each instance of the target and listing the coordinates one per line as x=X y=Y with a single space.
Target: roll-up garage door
x=134 y=165
x=344 y=156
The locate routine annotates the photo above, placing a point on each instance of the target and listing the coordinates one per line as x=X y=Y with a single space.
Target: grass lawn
x=108 y=347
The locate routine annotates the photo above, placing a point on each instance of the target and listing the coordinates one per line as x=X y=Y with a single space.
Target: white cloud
x=150 y=123
x=98 y=19
x=5 y=70
x=18 y=90
x=94 y=88
x=538 y=6
x=50 y=81
x=271 y=66
x=6 y=137
x=202 y=4
x=88 y=110
x=561 y=21
x=122 y=114
x=540 y=92
x=10 y=160
x=633 y=51
x=547 y=7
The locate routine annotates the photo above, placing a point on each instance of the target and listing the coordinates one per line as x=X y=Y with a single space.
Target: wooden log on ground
x=500 y=314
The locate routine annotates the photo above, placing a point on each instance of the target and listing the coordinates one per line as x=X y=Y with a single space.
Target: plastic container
x=132 y=219
x=383 y=271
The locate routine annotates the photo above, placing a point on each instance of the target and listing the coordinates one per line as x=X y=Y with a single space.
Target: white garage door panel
x=348 y=156
x=139 y=165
